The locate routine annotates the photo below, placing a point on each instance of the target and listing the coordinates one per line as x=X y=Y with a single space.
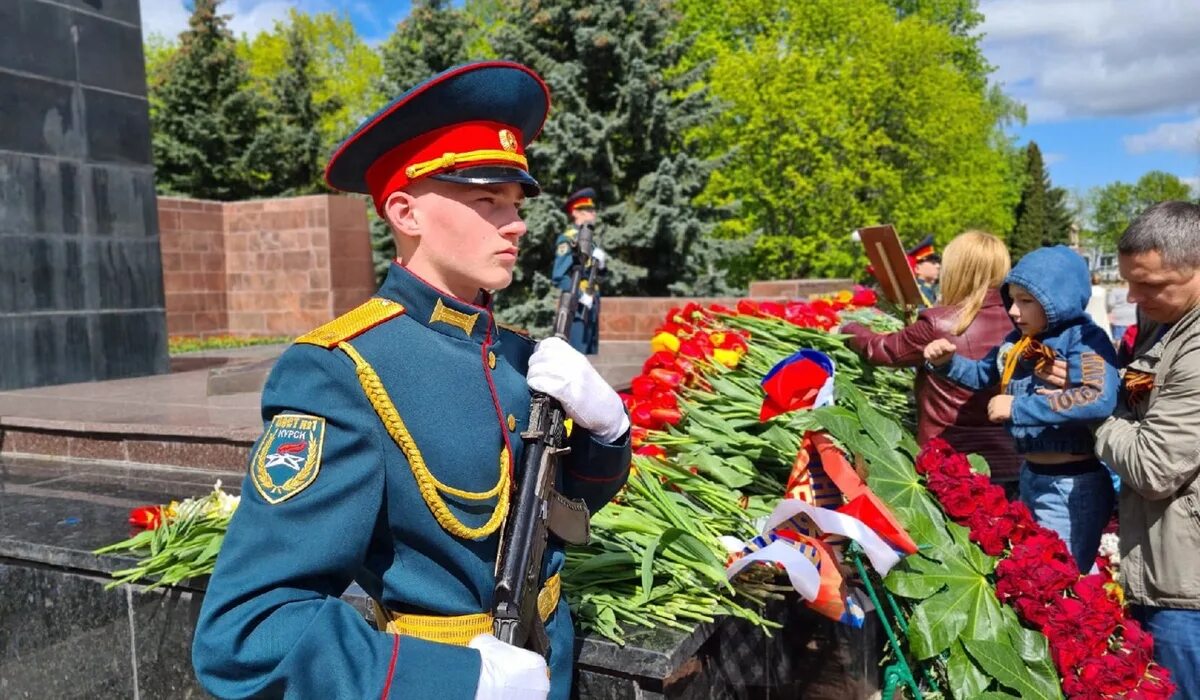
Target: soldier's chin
x=498 y=278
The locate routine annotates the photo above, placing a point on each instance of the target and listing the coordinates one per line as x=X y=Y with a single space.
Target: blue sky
x=1112 y=87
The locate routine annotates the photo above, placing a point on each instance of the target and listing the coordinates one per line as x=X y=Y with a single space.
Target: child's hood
x=1058 y=278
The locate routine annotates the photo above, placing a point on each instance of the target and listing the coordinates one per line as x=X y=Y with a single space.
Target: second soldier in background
x=585 y=332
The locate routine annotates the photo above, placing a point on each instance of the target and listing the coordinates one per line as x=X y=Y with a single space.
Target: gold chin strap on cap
x=431 y=489
x=458 y=630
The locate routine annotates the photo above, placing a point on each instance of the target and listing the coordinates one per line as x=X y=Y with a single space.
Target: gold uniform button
x=492 y=360
x=512 y=422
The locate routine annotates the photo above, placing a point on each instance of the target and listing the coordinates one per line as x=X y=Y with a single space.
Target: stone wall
x=81 y=293
x=263 y=267
x=635 y=318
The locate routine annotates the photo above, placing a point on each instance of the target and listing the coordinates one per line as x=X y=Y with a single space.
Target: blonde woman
x=972 y=316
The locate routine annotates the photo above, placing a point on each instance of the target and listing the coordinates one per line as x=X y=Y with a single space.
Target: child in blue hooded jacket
x=1062 y=482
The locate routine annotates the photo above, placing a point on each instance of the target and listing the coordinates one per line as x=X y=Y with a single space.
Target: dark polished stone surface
x=54 y=609
x=39 y=195
x=57 y=513
x=38 y=117
x=62 y=636
x=29 y=27
x=120 y=201
x=76 y=165
x=118 y=128
x=32 y=287
x=110 y=55
x=120 y=10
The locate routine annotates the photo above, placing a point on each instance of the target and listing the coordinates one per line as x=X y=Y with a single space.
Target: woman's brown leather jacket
x=944 y=408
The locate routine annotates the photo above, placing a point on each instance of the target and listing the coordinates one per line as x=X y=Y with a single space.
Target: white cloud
x=163 y=17
x=1082 y=58
x=1194 y=183
x=170 y=17
x=1052 y=158
x=1183 y=137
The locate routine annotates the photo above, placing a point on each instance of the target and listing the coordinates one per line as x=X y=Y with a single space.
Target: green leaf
x=605 y=560
x=720 y=471
x=910 y=584
x=979 y=464
x=841 y=424
x=885 y=431
x=1006 y=666
x=937 y=622
x=970 y=590
x=966 y=680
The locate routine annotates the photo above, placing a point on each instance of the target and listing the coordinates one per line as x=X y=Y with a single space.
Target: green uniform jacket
x=331 y=498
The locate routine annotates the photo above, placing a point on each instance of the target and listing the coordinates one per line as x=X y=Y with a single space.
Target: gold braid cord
x=431 y=489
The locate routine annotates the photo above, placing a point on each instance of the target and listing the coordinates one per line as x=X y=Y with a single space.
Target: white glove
x=557 y=369
x=509 y=673
x=600 y=256
x=586 y=299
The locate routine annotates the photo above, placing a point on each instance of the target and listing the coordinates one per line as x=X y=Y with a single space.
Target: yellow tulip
x=729 y=358
x=664 y=341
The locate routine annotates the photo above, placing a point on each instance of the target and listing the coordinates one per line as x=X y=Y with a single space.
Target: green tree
x=207 y=117
x=431 y=39
x=1114 y=205
x=842 y=114
x=292 y=141
x=621 y=110
x=344 y=70
x=1042 y=215
x=1061 y=217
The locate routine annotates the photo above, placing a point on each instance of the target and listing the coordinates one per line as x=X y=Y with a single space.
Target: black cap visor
x=492 y=175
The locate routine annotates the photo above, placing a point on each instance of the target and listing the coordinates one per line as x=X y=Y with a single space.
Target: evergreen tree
x=1032 y=212
x=431 y=39
x=1060 y=218
x=207 y=118
x=292 y=137
x=621 y=108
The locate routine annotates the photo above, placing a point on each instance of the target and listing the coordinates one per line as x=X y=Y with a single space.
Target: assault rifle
x=538 y=509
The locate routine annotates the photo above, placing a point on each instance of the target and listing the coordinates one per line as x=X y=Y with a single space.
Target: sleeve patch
x=288 y=456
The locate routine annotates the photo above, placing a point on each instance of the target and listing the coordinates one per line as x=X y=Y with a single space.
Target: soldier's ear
x=401 y=211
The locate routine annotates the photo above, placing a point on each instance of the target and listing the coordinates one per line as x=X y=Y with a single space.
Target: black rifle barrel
x=523 y=538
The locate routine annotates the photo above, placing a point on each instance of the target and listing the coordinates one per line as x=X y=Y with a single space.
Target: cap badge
x=507 y=141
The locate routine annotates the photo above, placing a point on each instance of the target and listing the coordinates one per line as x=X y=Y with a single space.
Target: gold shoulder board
x=353 y=323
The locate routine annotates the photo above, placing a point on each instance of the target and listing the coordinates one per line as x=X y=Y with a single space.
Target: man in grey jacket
x=1152 y=439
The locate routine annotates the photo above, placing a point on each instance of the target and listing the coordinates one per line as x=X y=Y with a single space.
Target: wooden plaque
x=890 y=263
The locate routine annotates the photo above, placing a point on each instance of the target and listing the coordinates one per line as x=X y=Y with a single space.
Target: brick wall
x=263 y=267
x=285 y=266
x=635 y=318
x=193 y=259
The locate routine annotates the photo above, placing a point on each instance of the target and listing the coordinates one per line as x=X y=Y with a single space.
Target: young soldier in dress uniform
x=392 y=433
x=927 y=266
x=585 y=331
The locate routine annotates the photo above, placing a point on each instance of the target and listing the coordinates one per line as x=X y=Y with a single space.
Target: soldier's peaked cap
x=469 y=124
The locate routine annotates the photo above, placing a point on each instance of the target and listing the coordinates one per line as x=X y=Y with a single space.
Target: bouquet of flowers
x=1098 y=651
x=178 y=541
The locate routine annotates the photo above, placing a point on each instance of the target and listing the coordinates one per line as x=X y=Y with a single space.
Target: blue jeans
x=1077 y=507
x=1176 y=645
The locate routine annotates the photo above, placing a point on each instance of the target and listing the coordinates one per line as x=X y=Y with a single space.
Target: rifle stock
x=538 y=510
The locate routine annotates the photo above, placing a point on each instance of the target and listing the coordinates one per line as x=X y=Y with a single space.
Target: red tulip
x=666 y=377
x=146 y=517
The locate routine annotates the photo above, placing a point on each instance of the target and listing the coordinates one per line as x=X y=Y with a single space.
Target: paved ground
x=209 y=393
